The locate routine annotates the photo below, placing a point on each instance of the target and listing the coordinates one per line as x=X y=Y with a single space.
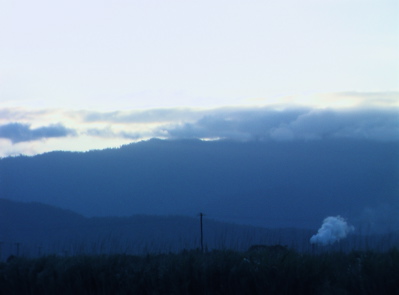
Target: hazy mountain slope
x=33 y=229
x=271 y=184
x=35 y=222
x=37 y=227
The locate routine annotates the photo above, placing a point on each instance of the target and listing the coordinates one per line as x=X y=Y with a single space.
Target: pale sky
x=60 y=59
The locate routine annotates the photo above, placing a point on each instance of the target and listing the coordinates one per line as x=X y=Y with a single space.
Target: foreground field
x=264 y=271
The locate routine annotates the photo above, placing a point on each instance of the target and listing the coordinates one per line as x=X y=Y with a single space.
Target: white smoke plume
x=332 y=230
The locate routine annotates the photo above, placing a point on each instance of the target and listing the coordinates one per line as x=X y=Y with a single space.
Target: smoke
x=332 y=230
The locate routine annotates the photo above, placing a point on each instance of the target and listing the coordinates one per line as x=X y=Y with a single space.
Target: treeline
x=224 y=237
x=271 y=270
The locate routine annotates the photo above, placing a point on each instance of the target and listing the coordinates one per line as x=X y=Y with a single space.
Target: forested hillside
x=274 y=184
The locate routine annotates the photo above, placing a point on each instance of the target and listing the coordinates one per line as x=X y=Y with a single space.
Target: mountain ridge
x=279 y=184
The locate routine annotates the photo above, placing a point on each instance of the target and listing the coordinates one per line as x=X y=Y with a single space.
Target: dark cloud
x=291 y=124
x=239 y=124
x=18 y=132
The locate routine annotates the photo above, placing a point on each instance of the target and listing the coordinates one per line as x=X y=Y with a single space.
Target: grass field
x=264 y=271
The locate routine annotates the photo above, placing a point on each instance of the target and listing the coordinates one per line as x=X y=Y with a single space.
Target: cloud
x=109 y=133
x=373 y=124
x=376 y=99
x=351 y=99
x=92 y=129
x=291 y=124
x=233 y=123
x=143 y=116
x=18 y=132
x=245 y=124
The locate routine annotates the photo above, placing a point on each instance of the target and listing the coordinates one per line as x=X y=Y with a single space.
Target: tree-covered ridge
x=271 y=184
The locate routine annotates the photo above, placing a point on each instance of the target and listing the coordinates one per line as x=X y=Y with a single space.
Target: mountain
x=271 y=184
x=27 y=228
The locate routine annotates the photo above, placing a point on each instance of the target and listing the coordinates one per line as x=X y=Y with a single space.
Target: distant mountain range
x=34 y=229
x=270 y=184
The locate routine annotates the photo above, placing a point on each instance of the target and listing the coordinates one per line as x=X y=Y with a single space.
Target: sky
x=81 y=75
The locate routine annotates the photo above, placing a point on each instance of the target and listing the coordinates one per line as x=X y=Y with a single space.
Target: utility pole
x=202 y=233
x=17 y=245
x=39 y=251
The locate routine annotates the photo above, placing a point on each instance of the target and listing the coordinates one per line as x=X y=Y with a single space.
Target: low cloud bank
x=291 y=124
x=111 y=129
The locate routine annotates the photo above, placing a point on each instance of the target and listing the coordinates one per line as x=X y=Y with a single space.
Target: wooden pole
x=202 y=233
x=17 y=245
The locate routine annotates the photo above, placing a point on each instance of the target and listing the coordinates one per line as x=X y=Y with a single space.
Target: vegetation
x=268 y=270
